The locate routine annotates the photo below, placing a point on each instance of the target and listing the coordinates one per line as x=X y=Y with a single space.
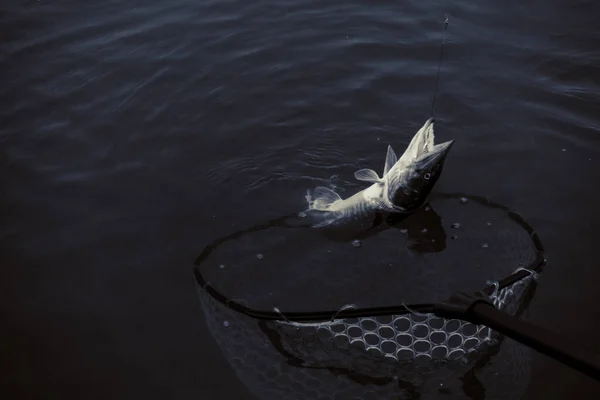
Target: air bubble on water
x=564 y=150
x=488 y=223
x=356 y=243
x=403 y=230
x=453 y=237
x=302 y=214
x=226 y=324
x=455 y=225
x=222 y=266
x=260 y=256
x=463 y=200
x=485 y=246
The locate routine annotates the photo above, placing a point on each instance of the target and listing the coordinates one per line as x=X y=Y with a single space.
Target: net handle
x=479 y=311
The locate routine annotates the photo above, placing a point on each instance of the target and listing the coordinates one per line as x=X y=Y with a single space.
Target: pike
x=404 y=186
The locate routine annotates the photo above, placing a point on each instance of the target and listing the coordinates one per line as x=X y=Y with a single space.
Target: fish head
x=409 y=187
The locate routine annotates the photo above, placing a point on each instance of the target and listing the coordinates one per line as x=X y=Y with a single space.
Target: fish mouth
x=423 y=140
x=422 y=143
x=436 y=154
x=443 y=149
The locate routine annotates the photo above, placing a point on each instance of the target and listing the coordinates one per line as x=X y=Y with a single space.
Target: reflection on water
x=423 y=228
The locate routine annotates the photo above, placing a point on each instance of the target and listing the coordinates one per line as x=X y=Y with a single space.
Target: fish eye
x=427 y=176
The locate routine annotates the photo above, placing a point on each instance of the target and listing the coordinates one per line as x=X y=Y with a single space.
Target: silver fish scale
x=358 y=206
x=378 y=204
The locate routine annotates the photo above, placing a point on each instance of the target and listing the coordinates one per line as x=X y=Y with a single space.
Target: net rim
x=327 y=315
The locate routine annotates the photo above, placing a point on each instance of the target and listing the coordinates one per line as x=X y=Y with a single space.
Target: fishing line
x=439 y=67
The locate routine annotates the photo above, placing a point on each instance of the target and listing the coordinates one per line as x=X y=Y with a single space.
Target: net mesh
x=409 y=337
x=373 y=356
x=279 y=360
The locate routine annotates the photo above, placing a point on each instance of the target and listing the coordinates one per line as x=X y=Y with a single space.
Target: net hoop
x=492 y=289
x=277 y=353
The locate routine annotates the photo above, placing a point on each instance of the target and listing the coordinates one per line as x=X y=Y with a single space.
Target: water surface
x=135 y=133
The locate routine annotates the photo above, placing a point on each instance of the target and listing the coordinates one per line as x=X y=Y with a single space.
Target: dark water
x=133 y=133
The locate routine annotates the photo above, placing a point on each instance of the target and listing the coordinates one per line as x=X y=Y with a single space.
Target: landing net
x=283 y=294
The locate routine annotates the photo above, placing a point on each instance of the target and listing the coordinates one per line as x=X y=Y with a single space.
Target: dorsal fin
x=367 y=175
x=323 y=197
x=390 y=160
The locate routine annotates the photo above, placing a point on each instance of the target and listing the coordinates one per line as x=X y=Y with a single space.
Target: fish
x=403 y=188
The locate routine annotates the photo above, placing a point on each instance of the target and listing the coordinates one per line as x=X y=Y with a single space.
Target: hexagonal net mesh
x=273 y=271
x=413 y=336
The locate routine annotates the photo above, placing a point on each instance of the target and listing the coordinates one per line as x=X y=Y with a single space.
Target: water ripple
x=132 y=131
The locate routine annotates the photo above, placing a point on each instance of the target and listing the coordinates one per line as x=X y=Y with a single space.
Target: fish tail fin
x=322 y=198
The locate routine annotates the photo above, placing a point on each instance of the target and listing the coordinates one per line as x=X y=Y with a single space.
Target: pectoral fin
x=367 y=175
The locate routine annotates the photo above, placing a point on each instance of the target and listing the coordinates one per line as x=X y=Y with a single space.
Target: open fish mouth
x=436 y=154
x=422 y=142
x=422 y=148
